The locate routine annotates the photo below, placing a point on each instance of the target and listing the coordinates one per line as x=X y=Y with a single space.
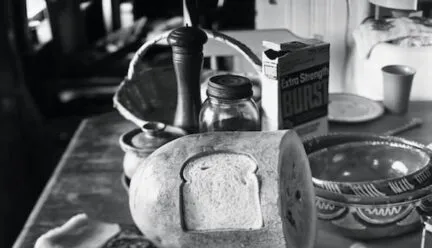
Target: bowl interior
x=366 y=161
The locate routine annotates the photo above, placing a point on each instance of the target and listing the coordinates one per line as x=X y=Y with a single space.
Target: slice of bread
x=221 y=192
x=82 y=232
x=78 y=232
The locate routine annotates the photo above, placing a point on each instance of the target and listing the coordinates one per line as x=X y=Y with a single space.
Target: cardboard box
x=295 y=86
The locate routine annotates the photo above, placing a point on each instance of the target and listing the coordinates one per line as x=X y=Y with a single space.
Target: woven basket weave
x=150 y=94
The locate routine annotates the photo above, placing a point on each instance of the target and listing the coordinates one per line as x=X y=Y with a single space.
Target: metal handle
x=244 y=50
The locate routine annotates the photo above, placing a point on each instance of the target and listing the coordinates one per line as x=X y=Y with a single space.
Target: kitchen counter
x=88 y=177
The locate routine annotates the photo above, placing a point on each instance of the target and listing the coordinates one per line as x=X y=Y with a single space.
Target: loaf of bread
x=226 y=189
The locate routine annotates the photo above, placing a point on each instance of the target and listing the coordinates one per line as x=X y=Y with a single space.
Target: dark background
x=47 y=89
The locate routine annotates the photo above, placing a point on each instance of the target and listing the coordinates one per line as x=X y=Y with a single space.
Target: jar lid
x=230 y=87
x=147 y=139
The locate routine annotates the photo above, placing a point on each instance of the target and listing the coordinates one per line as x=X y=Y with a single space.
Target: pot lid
x=150 y=137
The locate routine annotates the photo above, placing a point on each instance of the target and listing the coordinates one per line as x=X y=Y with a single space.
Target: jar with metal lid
x=139 y=143
x=229 y=105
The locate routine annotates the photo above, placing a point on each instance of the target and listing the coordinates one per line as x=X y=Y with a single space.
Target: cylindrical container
x=138 y=144
x=397 y=82
x=229 y=106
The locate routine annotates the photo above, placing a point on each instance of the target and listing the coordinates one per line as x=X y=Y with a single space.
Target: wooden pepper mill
x=187 y=51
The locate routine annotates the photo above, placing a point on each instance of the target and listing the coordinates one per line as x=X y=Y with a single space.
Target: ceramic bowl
x=369 y=186
x=368 y=165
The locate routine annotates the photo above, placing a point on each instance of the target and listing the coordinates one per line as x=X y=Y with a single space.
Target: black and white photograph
x=216 y=123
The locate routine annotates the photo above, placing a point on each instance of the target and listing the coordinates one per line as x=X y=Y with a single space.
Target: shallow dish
x=352 y=108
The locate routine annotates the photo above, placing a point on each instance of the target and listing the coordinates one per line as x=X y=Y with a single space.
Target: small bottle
x=229 y=106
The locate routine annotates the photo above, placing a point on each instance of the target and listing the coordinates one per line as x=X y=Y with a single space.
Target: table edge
x=47 y=189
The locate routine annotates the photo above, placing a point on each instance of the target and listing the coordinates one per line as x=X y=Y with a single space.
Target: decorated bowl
x=369 y=186
x=368 y=165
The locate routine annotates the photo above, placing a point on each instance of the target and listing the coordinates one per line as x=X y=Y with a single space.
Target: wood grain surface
x=87 y=179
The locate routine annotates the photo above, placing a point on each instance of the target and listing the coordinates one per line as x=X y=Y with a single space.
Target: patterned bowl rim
x=370 y=205
x=344 y=199
x=334 y=186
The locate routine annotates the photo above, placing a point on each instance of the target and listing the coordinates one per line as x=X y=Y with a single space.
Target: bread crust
x=156 y=191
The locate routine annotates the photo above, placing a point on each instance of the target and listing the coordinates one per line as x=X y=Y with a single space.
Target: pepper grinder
x=187 y=52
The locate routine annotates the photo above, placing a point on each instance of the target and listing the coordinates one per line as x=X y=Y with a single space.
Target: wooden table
x=87 y=178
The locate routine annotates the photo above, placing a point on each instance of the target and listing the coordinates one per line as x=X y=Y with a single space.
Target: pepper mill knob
x=187 y=52
x=190 y=38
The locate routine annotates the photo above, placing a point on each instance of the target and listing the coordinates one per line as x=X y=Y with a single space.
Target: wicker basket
x=150 y=94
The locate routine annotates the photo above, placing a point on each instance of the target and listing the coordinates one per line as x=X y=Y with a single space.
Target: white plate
x=353 y=108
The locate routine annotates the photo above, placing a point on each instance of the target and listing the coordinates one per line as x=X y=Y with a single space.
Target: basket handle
x=218 y=36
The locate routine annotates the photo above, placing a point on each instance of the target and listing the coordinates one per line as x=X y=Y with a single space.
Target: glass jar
x=229 y=106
